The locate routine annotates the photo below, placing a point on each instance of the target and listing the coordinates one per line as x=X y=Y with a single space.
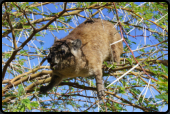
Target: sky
x=48 y=39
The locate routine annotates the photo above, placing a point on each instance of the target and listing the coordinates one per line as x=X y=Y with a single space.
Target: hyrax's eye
x=62 y=51
x=54 y=48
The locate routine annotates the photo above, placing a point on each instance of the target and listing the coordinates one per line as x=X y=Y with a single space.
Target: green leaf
x=129 y=60
x=24 y=5
x=51 y=26
x=20 y=90
x=142 y=50
x=7 y=55
x=164 y=68
x=25 y=101
x=26 y=26
x=24 y=52
x=22 y=109
x=21 y=61
x=134 y=42
x=122 y=90
x=37 y=34
x=61 y=18
x=34 y=104
x=162 y=96
x=29 y=106
x=153 y=71
x=35 y=8
x=105 y=63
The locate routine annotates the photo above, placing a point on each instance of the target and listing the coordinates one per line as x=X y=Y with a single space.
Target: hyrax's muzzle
x=51 y=59
x=55 y=56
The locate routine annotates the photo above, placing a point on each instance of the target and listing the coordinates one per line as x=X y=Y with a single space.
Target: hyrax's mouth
x=53 y=66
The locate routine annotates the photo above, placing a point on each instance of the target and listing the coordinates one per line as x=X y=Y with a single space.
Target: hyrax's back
x=96 y=36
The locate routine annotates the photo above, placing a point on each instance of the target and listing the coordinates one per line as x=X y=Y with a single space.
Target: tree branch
x=12 y=29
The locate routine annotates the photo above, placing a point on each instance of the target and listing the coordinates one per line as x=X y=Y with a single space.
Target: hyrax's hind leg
x=55 y=80
x=115 y=53
x=99 y=83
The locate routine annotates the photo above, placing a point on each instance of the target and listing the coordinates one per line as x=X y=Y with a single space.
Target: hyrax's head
x=63 y=52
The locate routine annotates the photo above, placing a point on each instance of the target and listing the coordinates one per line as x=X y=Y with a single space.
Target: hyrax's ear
x=76 y=44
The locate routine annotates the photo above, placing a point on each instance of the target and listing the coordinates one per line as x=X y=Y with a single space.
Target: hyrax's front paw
x=101 y=93
x=43 y=89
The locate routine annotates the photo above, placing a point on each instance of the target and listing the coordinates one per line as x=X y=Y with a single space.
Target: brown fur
x=84 y=57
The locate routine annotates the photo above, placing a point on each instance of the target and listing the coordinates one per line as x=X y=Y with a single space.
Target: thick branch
x=25 y=79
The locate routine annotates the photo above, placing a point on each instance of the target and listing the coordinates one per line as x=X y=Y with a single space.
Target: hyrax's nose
x=49 y=58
